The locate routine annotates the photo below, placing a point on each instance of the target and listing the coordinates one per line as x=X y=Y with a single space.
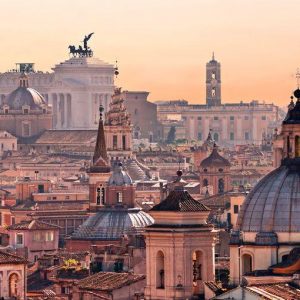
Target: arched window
x=246 y=263
x=13 y=285
x=205 y=182
x=197 y=272
x=100 y=195
x=160 y=270
x=216 y=137
x=221 y=185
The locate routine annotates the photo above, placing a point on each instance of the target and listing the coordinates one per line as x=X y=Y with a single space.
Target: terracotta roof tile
x=8 y=258
x=108 y=281
x=181 y=201
x=33 y=225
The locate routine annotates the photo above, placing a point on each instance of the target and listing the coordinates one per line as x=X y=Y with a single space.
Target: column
x=69 y=110
x=61 y=108
x=54 y=110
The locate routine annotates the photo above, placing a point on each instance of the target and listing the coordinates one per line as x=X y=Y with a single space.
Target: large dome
x=24 y=95
x=274 y=203
x=110 y=224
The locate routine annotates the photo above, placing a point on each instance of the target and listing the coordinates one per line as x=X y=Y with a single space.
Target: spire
x=100 y=158
x=213 y=55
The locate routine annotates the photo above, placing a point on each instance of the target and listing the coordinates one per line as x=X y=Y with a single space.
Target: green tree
x=171 y=135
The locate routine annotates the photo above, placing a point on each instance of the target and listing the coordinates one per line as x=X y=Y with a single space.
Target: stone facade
x=180 y=230
x=75 y=89
x=143 y=115
x=12 y=276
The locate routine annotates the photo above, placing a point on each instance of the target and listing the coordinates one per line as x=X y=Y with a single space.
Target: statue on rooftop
x=82 y=52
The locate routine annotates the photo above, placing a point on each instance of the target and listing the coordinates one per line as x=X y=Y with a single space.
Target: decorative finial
x=101 y=110
x=116 y=69
x=213 y=55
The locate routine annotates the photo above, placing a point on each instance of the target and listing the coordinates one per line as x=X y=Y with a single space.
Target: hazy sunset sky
x=163 y=45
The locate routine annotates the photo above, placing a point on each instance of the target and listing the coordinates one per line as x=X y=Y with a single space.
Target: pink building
x=33 y=238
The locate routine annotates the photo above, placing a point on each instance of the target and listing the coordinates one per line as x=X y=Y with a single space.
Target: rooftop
x=180 y=201
x=32 y=225
x=8 y=258
x=108 y=281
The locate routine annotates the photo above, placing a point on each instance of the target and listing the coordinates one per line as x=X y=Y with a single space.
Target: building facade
x=75 y=89
x=229 y=123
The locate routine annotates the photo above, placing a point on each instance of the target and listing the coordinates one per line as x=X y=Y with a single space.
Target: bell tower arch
x=213 y=82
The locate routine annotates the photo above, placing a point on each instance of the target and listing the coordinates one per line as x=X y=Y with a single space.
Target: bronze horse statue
x=80 y=52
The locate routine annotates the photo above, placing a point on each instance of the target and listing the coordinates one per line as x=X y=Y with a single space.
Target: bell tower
x=213 y=82
x=179 y=247
x=99 y=171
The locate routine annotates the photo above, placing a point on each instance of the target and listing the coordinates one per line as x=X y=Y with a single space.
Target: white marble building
x=75 y=89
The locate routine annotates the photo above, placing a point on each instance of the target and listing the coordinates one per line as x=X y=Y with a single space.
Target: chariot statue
x=86 y=51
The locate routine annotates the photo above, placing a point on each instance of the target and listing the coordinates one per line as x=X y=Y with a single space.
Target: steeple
x=100 y=158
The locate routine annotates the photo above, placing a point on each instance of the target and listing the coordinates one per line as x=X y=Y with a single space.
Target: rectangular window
x=124 y=142
x=199 y=118
x=264 y=118
x=36 y=236
x=231 y=118
x=26 y=129
x=216 y=118
x=236 y=209
x=41 y=188
x=49 y=236
x=65 y=290
x=199 y=136
x=119 y=197
x=115 y=142
x=247 y=136
x=232 y=136
x=19 y=239
x=246 y=118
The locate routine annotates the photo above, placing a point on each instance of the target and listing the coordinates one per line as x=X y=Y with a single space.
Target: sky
x=162 y=46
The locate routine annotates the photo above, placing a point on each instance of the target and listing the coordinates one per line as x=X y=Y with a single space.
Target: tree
x=171 y=135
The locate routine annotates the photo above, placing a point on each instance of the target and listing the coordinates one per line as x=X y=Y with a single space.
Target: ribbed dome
x=112 y=224
x=274 y=203
x=24 y=95
x=215 y=160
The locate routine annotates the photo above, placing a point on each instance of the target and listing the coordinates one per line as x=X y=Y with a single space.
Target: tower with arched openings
x=179 y=247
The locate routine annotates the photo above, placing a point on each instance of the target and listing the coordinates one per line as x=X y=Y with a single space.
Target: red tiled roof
x=8 y=258
x=181 y=201
x=282 y=290
x=33 y=225
x=108 y=281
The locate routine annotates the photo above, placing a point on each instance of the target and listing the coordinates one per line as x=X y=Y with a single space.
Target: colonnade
x=62 y=110
x=97 y=100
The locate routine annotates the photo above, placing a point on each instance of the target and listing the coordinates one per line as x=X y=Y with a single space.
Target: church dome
x=215 y=160
x=110 y=224
x=24 y=96
x=119 y=177
x=274 y=203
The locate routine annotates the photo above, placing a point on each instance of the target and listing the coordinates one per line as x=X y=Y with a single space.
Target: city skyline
x=166 y=43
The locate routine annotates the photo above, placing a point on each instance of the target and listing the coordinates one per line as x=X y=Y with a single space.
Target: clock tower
x=213 y=82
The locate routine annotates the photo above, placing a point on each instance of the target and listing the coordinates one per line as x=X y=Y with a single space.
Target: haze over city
x=149 y=150
x=163 y=46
